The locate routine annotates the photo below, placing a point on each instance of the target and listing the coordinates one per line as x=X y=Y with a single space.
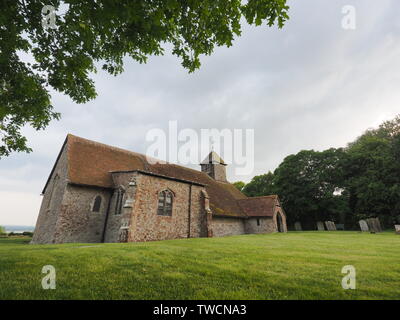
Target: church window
x=119 y=201
x=164 y=203
x=96 y=204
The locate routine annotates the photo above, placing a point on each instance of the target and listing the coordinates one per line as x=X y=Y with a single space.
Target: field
x=296 y=265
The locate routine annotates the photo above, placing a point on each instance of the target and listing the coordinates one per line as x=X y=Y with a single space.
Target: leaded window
x=165 y=203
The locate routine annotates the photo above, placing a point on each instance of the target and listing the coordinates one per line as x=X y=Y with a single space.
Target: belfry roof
x=213 y=157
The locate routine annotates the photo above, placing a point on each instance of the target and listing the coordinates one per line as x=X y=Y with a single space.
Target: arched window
x=119 y=201
x=96 y=204
x=164 y=203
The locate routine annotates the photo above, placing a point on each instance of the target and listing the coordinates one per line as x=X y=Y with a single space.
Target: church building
x=100 y=193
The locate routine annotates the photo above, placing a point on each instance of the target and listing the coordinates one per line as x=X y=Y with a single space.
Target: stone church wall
x=77 y=222
x=267 y=225
x=147 y=225
x=115 y=221
x=51 y=202
x=227 y=226
x=198 y=224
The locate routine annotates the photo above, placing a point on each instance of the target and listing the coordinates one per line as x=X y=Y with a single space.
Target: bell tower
x=214 y=166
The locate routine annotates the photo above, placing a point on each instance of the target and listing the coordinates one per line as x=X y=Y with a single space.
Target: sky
x=311 y=85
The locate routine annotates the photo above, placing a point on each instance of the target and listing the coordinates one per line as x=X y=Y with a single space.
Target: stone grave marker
x=397 y=228
x=371 y=225
x=374 y=225
x=320 y=226
x=297 y=226
x=363 y=226
x=330 y=226
x=378 y=224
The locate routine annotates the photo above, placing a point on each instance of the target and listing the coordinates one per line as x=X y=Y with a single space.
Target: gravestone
x=374 y=225
x=320 y=226
x=297 y=226
x=330 y=226
x=363 y=226
x=371 y=225
x=378 y=223
x=397 y=228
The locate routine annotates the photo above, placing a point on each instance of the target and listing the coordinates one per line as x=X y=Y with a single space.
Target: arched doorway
x=279 y=223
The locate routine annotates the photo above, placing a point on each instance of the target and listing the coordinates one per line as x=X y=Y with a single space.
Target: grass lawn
x=295 y=265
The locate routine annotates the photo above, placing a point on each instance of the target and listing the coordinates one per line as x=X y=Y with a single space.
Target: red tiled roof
x=259 y=206
x=90 y=163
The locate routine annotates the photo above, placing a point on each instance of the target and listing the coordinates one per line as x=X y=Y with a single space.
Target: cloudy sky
x=310 y=85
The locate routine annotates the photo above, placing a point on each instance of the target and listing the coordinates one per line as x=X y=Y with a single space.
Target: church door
x=279 y=223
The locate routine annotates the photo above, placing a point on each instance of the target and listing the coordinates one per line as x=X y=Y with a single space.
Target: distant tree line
x=2 y=231
x=25 y=233
x=345 y=185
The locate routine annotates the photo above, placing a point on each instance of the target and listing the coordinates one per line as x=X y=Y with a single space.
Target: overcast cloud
x=311 y=85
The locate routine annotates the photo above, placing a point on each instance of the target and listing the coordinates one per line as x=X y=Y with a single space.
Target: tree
x=344 y=185
x=311 y=187
x=239 y=185
x=87 y=33
x=2 y=230
x=261 y=185
x=373 y=173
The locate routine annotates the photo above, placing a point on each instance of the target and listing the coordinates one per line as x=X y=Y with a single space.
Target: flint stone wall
x=51 y=202
x=227 y=226
x=147 y=225
x=77 y=222
x=266 y=225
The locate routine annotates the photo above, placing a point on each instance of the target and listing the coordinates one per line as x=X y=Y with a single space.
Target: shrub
x=27 y=233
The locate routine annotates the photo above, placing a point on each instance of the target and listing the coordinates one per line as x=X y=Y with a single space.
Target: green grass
x=296 y=265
